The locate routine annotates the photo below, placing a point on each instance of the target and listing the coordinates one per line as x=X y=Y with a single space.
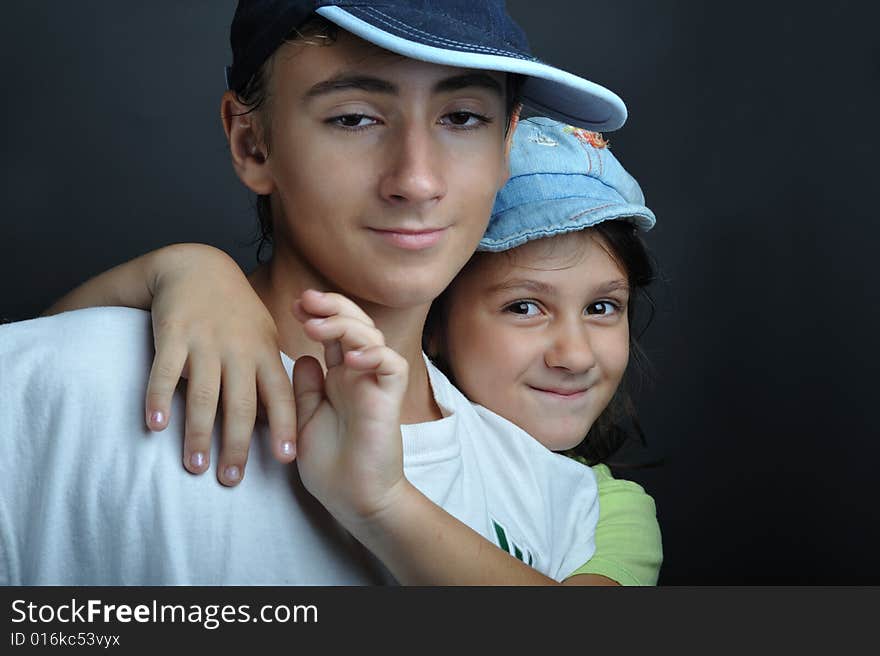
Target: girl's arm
x=424 y=545
x=130 y=284
x=208 y=326
x=350 y=457
x=629 y=545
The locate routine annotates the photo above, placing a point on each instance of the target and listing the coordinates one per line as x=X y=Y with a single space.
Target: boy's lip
x=410 y=238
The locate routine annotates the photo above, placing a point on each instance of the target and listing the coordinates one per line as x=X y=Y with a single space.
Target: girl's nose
x=570 y=350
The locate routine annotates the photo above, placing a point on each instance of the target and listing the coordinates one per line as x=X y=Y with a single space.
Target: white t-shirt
x=88 y=496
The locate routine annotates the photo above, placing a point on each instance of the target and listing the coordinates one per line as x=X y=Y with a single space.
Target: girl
x=537 y=327
x=539 y=332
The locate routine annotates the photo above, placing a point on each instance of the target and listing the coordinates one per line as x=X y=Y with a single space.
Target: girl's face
x=540 y=335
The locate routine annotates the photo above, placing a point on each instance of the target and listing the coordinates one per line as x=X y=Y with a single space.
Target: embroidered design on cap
x=543 y=140
x=595 y=139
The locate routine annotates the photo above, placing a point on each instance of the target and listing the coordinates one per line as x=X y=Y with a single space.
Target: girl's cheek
x=617 y=356
x=511 y=350
x=491 y=350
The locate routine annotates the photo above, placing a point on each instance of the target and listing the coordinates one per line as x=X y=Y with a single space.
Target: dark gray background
x=753 y=130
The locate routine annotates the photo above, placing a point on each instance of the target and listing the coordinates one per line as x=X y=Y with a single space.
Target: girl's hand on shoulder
x=210 y=327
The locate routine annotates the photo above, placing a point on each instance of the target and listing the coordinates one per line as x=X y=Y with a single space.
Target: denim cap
x=562 y=179
x=477 y=34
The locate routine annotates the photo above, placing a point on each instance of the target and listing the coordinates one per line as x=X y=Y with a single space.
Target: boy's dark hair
x=254 y=93
x=618 y=423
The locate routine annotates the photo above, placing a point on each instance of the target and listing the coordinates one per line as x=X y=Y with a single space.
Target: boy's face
x=540 y=335
x=383 y=169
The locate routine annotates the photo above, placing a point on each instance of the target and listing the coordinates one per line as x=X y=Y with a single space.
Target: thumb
x=308 y=388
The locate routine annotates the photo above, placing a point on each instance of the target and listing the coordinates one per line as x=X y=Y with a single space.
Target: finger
x=299 y=313
x=308 y=389
x=339 y=334
x=276 y=395
x=353 y=334
x=382 y=360
x=332 y=354
x=325 y=304
x=391 y=369
x=165 y=373
x=239 y=390
x=202 y=394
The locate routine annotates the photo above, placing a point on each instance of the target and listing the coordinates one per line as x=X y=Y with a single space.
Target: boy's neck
x=279 y=282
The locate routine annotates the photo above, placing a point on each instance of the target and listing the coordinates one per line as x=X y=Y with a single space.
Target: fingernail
x=197 y=460
x=287 y=448
x=157 y=417
x=232 y=473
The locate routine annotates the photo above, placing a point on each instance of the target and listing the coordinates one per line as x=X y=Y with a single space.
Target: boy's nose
x=570 y=349
x=414 y=168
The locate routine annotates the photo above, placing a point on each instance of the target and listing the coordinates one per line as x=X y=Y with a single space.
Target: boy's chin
x=411 y=289
x=400 y=297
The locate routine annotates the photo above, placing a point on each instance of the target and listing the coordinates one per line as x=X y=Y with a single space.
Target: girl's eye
x=353 y=121
x=465 y=120
x=602 y=308
x=523 y=309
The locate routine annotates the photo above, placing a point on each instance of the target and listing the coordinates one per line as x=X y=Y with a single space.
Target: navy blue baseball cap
x=476 y=34
x=562 y=179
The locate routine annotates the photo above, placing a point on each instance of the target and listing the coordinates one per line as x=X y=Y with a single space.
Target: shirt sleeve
x=629 y=547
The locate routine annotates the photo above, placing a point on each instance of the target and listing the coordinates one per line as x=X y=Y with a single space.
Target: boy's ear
x=246 y=145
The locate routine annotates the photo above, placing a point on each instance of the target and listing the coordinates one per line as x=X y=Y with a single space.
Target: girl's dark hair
x=254 y=93
x=618 y=423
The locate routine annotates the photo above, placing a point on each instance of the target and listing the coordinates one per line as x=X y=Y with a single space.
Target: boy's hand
x=210 y=327
x=350 y=454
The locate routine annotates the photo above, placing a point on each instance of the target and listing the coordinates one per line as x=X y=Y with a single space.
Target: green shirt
x=629 y=549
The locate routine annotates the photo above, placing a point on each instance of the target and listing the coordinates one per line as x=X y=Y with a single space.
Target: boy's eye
x=465 y=119
x=601 y=308
x=352 y=121
x=523 y=309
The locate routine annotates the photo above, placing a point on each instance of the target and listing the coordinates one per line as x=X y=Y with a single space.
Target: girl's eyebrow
x=535 y=286
x=538 y=287
x=613 y=286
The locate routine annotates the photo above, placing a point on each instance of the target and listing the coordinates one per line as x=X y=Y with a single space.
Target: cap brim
x=548 y=90
x=567 y=215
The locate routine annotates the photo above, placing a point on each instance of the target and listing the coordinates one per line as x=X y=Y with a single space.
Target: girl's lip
x=561 y=393
x=411 y=239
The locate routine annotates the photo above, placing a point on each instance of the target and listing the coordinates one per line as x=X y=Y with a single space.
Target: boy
x=380 y=171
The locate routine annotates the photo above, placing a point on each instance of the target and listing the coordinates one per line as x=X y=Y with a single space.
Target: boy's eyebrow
x=477 y=79
x=370 y=84
x=346 y=81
